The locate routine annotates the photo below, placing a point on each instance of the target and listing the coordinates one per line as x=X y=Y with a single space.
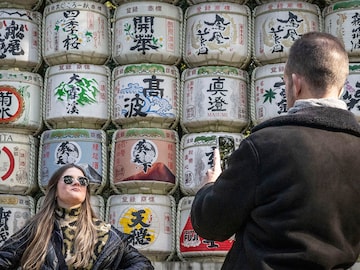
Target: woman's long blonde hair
x=41 y=227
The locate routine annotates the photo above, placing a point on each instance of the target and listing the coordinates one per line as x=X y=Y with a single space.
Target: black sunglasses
x=68 y=179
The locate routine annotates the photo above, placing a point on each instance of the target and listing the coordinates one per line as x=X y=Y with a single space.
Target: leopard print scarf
x=67 y=219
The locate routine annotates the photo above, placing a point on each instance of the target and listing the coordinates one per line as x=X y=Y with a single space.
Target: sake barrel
x=76 y=32
x=149 y=219
x=97 y=203
x=191 y=246
x=120 y=2
x=77 y=96
x=16 y=210
x=21 y=104
x=182 y=265
x=214 y=98
x=18 y=159
x=268 y=98
x=28 y=4
x=342 y=20
x=328 y=2
x=194 y=2
x=197 y=156
x=260 y=2
x=147 y=32
x=146 y=95
x=351 y=92
x=57 y=1
x=144 y=160
x=84 y=147
x=278 y=24
x=20 y=34
x=217 y=33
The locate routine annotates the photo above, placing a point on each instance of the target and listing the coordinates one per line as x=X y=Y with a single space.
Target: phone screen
x=226 y=146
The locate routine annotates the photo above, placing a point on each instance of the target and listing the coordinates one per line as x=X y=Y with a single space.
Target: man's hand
x=213 y=173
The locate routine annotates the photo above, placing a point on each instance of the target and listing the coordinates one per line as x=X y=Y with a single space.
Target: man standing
x=291 y=191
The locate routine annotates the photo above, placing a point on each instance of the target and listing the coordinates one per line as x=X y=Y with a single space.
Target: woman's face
x=70 y=195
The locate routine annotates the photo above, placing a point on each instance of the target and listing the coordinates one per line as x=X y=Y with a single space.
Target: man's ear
x=341 y=91
x=297 y=85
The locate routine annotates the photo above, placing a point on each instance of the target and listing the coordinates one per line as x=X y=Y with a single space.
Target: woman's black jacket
x=117 y=252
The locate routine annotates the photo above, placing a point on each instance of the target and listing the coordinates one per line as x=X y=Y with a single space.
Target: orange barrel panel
x=144 y=160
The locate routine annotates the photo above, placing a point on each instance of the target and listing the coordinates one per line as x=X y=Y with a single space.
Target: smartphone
x=226 y=145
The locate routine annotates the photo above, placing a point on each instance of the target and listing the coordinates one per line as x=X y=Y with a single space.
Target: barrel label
x=13 y=33
x=77 y=91
x=145 y=96
x=73 y=36
x=11 y=104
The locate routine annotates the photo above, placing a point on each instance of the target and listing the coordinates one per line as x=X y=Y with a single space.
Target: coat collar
x=326 y=118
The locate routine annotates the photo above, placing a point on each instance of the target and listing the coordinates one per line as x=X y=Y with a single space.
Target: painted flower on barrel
x=77 y=92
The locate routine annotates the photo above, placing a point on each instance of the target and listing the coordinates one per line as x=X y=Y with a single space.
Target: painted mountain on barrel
x=157 y=172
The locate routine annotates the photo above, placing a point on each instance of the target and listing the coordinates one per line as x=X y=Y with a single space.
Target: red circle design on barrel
x=6 y=94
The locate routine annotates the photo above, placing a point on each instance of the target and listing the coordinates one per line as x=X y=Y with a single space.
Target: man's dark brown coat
x=291 y=195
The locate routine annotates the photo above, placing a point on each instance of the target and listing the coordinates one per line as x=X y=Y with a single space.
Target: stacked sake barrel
x=277 y=24
x=76 y=46
x=20 y=118
x=140 y=98
x=341 y=19
x=147 y=47
x=214 y=108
